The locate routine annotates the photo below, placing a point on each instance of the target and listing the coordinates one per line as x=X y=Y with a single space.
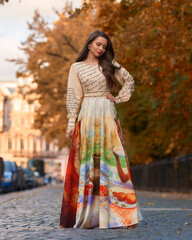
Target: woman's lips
x=99 y=52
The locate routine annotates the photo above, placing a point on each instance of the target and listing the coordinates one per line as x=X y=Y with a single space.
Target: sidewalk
x=34 y=214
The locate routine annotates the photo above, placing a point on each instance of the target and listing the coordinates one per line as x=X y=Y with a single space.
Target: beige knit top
x=88 y=81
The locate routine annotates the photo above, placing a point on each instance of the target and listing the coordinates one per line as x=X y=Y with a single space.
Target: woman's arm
x=127 y=83
x=74 y=96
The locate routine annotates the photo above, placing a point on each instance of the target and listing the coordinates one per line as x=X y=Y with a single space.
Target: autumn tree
x=50 y=49
x=152 y=39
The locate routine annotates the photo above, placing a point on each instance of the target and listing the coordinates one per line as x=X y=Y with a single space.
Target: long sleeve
x=127 y=83
x=74 y=96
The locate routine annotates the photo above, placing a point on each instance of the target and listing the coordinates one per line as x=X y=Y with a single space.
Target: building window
x=47 y=146
x=34 y=145
x=22 y=122
x=9 y=143
x=22 y=143
x=6 y=111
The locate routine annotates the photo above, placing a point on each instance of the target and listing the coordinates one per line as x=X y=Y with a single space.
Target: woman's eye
x=98 y=44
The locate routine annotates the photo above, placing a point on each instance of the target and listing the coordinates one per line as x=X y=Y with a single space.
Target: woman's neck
x=91 y=59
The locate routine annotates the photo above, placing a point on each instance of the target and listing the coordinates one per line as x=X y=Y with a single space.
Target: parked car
x=7 y=180
x=1 y=171
x=36 y=165
x=29 y=178
x=39 y=181
x=14 y=175
x=21 y=183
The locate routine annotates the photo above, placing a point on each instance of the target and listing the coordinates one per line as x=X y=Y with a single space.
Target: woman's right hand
x=69 y=133
x=111 y=97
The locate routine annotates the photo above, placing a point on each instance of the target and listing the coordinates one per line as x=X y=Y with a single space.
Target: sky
x=14 y=16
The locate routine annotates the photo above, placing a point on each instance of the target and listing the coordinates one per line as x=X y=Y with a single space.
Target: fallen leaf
x=188 y=223
x=150 y=203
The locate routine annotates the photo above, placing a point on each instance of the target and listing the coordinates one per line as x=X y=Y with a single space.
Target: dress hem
x=120 y=226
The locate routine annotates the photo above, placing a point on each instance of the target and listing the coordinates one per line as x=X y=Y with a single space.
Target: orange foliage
x=152 y=39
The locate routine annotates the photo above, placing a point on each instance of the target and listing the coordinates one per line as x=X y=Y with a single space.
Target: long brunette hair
x=105 y=60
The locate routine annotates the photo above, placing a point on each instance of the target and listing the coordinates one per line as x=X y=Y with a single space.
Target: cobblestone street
x=34 y=214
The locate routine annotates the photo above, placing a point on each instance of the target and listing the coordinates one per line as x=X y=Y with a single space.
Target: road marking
x=167 y=209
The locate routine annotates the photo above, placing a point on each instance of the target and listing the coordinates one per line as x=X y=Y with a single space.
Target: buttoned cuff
x=71 y=123
x=117 y=100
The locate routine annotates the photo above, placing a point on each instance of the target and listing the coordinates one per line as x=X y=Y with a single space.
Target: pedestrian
x=98 y=189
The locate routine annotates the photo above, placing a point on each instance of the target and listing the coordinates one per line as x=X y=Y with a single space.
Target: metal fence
x=167 y=175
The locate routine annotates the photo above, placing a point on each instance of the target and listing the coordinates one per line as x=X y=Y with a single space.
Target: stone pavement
x=34 y=214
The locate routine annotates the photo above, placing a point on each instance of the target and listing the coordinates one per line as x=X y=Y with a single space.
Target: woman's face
x=98 y=46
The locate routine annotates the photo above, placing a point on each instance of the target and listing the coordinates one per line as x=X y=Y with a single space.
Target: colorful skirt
x=98 y=188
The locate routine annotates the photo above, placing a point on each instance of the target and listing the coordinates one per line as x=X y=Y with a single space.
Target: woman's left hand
x=111 y=97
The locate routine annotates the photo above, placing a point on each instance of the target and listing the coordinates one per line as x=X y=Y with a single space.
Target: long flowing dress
x=98 y=188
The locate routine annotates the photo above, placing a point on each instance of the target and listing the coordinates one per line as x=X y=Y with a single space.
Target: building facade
x=19 y=141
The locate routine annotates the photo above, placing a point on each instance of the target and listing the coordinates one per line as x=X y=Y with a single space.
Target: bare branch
x=57 y=55
x=69 y=43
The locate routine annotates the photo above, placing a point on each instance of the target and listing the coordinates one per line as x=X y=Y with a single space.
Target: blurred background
x=39 y=40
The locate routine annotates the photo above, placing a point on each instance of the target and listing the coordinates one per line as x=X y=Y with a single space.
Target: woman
x=98 y=190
